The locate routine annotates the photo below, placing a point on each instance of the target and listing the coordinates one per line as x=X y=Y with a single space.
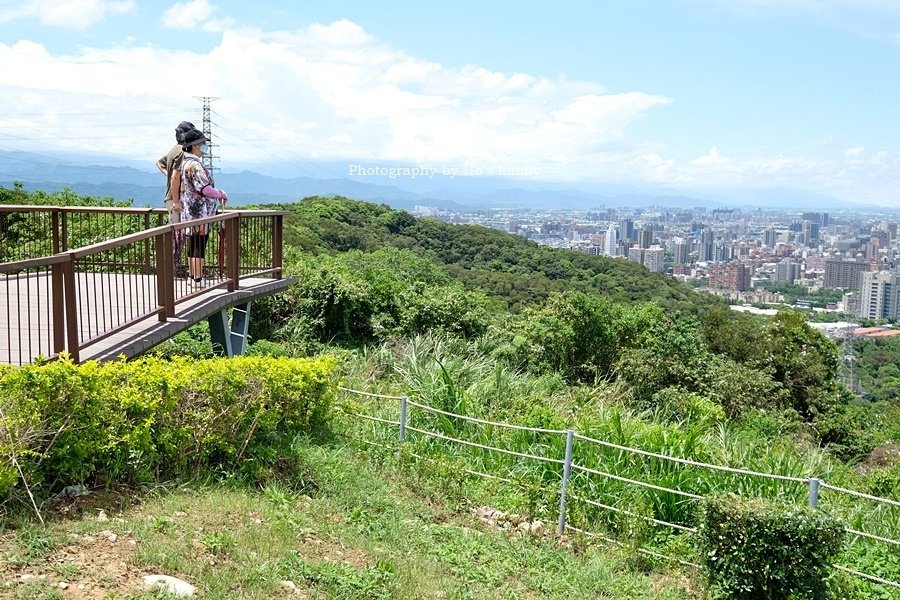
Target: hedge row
x=151 y=418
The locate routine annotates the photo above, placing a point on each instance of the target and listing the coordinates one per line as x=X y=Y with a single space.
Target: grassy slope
x=344 y=532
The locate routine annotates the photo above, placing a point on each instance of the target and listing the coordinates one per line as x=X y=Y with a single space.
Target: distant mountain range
x=145 y=187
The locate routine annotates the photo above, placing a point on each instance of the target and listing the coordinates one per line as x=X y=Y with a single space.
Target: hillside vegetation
x=507 y=267
x=478 y=322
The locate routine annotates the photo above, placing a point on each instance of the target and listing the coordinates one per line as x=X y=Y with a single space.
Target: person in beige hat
x=170 y=166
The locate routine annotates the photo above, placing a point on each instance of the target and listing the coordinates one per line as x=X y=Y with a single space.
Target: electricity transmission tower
x=208 y=158
x=848 y=358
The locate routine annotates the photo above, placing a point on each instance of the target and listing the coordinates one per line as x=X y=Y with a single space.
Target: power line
x=116 y=113
x=266 y=151
x=273 y=158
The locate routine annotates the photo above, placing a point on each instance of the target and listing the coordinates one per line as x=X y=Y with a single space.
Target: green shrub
x=848 y=430
x=268 y=348
x=753 y=549
x=444 y=308
x=677 y=404
x=137 y=421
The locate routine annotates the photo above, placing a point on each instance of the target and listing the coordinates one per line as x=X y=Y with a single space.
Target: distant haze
x=144 y=185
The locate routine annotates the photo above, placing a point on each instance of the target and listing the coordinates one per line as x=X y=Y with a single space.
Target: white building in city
x=611 y=240
x=879 y=296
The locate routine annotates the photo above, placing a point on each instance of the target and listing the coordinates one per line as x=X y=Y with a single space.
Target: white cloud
x=854 y=153
x=365 y=99
x=336 y=92
x=69 y=14
x=188 y=15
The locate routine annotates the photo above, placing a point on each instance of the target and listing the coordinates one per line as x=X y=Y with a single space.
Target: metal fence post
x=813 y=492
x=403 y=402
x=564 y=485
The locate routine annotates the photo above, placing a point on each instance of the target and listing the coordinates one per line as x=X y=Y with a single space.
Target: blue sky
x=693 y=95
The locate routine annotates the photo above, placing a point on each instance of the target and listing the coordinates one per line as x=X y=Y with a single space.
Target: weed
x=162 y=524
x=219 y=543
x=34 y=542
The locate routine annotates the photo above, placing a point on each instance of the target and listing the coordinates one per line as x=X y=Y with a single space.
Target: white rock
x=63 y=585
x=537 y=526
x=102 y=516
x=288 y=586
x=26 y=577
x=173 y=585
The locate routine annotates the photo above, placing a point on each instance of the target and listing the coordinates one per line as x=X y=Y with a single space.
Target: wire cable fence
x=669 y=499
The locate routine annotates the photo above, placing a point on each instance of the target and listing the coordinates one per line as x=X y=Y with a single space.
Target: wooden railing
x=34 y=231
x=77 y=297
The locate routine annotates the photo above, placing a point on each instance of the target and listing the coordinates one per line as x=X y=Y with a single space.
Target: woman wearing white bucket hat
x=199 y=199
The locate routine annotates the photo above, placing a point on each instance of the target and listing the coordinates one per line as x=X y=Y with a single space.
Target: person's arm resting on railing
x=214 y=193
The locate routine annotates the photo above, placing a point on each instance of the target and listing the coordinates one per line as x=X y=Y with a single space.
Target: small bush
x=753 y=549
x=678 y=404
x=137 y=421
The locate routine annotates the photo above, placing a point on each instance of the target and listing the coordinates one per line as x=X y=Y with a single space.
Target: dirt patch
x=680 y=581
x=112 y=501
x=86 y=566
x=883 y=457
x=327 y=549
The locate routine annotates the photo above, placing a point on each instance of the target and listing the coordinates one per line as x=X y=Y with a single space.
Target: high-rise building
x=872 y=248
x=721 y=251
x=733 y=276
x=739 y=276
x=612 y=244
x=646 y=237
x=654 y=259
x=770 y=237
x=787 y=271
x=810 y=233
x=819 y=218
x=626 y=229
x=844 y=274
x=636 y=255
x=682 y=251
x=879 y=296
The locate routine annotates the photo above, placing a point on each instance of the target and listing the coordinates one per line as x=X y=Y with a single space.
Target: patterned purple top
x=199 y=199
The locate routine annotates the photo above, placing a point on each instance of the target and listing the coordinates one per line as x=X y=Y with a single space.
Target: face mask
x=204 y=148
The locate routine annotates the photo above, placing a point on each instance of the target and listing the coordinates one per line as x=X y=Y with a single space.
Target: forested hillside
x=504 y=266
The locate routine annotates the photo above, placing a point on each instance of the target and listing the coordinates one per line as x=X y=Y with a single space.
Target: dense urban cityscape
x=747 y=256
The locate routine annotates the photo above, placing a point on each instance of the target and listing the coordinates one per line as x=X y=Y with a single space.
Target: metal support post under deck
x=230 y=339
x=240 y=324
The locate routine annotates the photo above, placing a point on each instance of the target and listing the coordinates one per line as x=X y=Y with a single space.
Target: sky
x=690 y=95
